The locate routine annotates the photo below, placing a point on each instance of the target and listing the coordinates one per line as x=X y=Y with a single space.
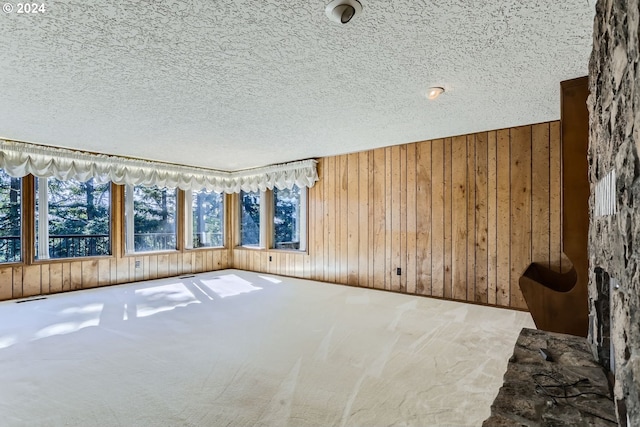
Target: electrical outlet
x=399 y=271
x=138 y=264
x=269 y=258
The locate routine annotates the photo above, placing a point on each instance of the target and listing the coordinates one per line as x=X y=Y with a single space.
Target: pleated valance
x=19 y=159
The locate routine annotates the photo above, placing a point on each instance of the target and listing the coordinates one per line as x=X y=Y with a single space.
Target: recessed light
x=435 y=92
x=343 y=11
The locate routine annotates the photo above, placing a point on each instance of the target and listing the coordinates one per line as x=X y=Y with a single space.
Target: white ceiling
x=237 y=84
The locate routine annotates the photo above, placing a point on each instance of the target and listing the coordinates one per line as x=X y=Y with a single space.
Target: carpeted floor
x=233 y=348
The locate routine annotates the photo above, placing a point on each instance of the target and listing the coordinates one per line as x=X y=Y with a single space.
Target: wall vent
x=606 y=202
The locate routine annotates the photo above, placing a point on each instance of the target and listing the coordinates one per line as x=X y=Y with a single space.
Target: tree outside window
x=153 y=211
x=73 y=219
x=250 y=218
x=10 y=218
x=207 y=219
x=286 y=218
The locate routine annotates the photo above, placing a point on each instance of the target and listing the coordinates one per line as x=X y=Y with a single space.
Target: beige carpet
x=233 y=348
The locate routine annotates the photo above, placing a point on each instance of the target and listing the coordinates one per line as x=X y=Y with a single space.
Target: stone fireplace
x=614 y=205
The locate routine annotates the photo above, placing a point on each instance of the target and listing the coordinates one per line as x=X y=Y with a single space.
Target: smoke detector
x=343 y=11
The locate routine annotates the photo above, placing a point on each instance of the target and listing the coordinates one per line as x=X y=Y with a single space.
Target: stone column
x=614 y=205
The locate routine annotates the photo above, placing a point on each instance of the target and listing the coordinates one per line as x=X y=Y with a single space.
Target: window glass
x=207 y=227
x=288 y=218
x=153 y=211
x=10 y=218
x=250 y=218
x=73 y=219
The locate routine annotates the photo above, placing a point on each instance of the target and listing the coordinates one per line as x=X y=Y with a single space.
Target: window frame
x=187 y=224
x=24 y=223
x=128 y=227
x=267 y=228
x=31 y=236
x=263 y=237
x=304 y=211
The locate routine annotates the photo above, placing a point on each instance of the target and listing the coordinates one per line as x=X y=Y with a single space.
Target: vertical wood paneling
x=319 y=243
x=390 y=231
x=448 y=241
x=471 y=217
x=379 y=219
x=395 y=225
x=104 y=272
x=503 y=249
x=492 y=218
x=412 y=221
x=520 y=209
x=353 y=212
x=422 y=216
x=31 y=280
x=459 y=218
x=89 y=274
x=436 y=205
x=481 y=222
x=540 y=191
x=402 y=261
x=55 y=277
x=362 y=219
x=555 y=199
x=17 y=282
x=331 y=210
x=343 y=220
x=6 y=283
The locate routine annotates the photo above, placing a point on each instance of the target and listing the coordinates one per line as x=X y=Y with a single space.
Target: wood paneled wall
x=462 y=217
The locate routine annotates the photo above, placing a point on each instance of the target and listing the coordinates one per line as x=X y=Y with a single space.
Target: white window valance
x=19 y=159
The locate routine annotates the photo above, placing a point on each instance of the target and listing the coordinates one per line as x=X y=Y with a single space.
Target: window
x=289 y=218
x=205 y=225
x=10 y=218
x=150 y=218
x=250 y=215
x=275 y=219
x=73 y=219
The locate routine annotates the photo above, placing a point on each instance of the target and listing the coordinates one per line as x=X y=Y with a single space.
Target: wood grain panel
x=353 y=212
x=411 y=218
x=448 y=192
x=459 y=218
x=492 y=217
x=503 y=232
x=436 y=206
x=6 y=283
x=421 y=213
x=362 y=219
x=31 y=280
x=520 y=210
x=481 y=222
x=471 y=217
x=379 y=219
x=540 y=200
x=555 y=197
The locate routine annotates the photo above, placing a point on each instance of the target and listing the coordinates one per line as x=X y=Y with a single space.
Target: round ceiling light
x=343 y=11
x=435 y=92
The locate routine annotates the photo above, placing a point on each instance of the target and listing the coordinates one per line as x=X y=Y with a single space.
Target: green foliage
x=208 y=219
x=154 y=218
x=250 y=219
x=286 y=215
x=10 y=218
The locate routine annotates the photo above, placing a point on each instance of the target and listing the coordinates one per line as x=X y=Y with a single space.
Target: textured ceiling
x=237 y=84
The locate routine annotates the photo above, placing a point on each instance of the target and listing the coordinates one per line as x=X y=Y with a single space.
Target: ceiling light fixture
x=435 y=92
x=343 y=11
